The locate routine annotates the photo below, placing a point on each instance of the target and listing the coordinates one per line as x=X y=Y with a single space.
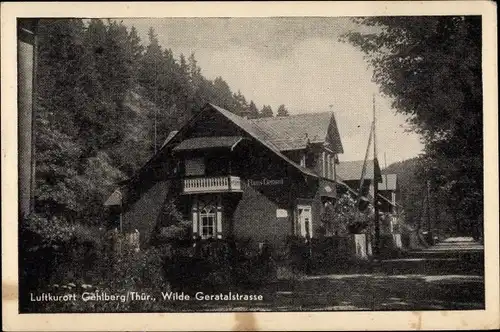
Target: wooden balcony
x=212 y=184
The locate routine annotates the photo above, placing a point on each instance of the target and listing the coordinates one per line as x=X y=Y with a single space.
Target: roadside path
x=447 y=276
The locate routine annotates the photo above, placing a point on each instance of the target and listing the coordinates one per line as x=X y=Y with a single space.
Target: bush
x=179 y=231
x=52 y=248
x=171 y=226
x=345 y=217
x=141 y=272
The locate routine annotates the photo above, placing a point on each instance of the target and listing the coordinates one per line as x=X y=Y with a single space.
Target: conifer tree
x=253 y=112
x=282 y=111
x=266 y=112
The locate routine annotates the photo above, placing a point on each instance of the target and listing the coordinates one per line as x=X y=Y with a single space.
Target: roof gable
x=389 y=182
x=351 y=170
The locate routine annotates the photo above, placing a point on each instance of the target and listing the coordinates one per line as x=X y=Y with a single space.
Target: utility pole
x=156 y=104
x=385 y=166
x=429 y=210
x=375 y=185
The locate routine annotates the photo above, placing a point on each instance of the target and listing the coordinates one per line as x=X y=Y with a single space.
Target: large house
x=257 y=179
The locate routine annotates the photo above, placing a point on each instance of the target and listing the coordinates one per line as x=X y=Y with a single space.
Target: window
x=208 y=222
x=324 y=165
x=195 y=166
x=328 y=165
x=310 y=159
x=333 y=167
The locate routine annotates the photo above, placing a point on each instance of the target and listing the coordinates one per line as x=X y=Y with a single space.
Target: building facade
x=260 y=180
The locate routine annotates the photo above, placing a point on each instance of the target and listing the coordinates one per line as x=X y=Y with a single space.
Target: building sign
x=265 y=182
x=281 y=213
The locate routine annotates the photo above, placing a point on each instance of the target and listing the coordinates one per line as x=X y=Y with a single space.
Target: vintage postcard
x=249 y=166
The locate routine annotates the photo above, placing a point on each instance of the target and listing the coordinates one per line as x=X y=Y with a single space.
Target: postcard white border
x=476 y=319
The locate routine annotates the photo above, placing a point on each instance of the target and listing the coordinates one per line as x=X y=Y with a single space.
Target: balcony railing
x=212 y=184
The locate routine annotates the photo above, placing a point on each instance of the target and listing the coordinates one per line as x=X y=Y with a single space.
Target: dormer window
x=303 y=160
x=310 y=159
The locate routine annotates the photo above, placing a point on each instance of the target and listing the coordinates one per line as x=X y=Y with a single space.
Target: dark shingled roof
x=351 y=170
x=389 y=182
x=295 y=131
x=197 y=143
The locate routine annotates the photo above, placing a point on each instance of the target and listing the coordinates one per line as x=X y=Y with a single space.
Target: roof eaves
x=385 y=198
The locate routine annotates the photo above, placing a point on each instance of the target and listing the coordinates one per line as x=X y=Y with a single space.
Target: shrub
x=345 y=217
x=171 y=226
x=51 y=247
x=52 y=250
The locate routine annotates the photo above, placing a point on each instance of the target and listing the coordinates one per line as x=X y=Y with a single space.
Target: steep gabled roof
x=296 y=131
x=277 y=136
x=351 y=170
x=389 y=182
x=260 y=135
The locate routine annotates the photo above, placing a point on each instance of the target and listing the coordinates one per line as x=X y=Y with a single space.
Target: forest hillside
x=106 y=100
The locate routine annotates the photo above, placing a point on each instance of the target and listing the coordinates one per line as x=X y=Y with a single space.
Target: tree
x=282 y=111
x=151 y=64
x=266 y=112
x=99 y=95
x=135 y=50
x=253 y=112
x=431 y=68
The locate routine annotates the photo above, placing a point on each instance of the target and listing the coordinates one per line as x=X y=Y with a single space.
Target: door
x=304 y=217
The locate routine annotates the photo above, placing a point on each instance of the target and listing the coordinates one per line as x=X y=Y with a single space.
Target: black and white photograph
x=252 y=164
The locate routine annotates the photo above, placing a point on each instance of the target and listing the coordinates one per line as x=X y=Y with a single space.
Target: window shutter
x=218 y=230
x=195 y=218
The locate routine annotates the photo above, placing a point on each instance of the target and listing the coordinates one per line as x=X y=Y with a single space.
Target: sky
x=296 y=61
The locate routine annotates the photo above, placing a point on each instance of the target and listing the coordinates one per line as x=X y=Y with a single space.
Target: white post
x=194 y=210
x=219 y=218
x=121 y=210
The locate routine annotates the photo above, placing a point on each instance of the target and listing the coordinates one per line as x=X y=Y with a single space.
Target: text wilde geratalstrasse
x=140 y=296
